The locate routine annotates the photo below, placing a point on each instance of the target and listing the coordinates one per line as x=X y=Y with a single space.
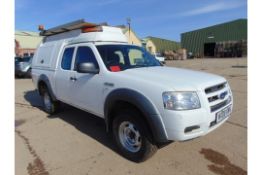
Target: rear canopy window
x=67 y=58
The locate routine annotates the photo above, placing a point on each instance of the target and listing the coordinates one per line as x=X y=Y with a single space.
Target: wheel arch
x=120 y=98
x=43 y=82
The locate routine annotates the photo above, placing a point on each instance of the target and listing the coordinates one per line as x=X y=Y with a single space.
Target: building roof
x=222 y=25
x=27 y=39
x=163 y=44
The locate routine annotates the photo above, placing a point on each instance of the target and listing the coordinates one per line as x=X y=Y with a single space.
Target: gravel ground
x=74 y=142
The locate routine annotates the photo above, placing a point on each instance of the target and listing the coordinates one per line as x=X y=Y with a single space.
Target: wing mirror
x=87 y=68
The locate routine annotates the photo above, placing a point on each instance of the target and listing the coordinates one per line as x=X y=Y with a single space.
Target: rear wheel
x=50 y=106
x=132 y=136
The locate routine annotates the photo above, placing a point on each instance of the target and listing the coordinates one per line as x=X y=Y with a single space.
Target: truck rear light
x=92 y=29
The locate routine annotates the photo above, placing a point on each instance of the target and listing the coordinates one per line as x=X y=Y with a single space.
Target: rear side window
x=67 y=58
x=85 y=54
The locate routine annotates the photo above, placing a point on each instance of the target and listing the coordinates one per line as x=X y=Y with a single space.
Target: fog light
x=191 y=128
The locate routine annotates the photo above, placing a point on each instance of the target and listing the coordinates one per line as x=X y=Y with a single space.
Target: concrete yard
x=74 y=142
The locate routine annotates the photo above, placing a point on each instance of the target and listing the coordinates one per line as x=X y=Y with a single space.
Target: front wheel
x=132 y=136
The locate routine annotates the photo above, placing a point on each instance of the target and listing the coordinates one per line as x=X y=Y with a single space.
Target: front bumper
x=186 y=125
x=20 y=72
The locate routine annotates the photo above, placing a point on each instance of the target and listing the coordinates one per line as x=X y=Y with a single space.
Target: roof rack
x=78 y=24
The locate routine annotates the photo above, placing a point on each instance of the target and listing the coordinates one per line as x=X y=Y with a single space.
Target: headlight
x=180 y=100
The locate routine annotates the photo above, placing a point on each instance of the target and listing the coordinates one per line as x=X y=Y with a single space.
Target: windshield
x=122 y=57
x=27 y=59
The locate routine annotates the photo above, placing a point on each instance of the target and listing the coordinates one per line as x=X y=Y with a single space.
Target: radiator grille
x=218 y=96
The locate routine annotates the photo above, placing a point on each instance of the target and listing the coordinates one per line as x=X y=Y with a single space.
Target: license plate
x=221 y=115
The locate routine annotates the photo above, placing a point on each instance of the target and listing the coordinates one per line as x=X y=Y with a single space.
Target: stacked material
x=182 y=54
x=179 y=55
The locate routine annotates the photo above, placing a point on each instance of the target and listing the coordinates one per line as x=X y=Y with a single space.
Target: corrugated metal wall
x=231 y=31
x=164 y=45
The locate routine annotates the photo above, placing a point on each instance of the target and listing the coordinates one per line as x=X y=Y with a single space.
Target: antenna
x=129 y=24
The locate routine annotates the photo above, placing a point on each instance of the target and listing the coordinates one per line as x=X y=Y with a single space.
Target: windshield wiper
x=138 y=66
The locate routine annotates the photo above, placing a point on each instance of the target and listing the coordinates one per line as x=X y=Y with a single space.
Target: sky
x=159 y=18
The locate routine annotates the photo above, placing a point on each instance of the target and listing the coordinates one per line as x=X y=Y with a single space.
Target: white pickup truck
x=143 y=103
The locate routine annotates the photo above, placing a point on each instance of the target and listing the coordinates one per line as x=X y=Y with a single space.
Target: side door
x=86 y=87
x=63 y=74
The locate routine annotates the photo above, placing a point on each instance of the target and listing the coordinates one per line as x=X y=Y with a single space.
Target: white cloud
x=110 y=2
x=205 y=9
x=219 y=6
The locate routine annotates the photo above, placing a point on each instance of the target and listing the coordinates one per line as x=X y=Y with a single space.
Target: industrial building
x=130 y=35
x=26 y=43
x=223 y=40
x=158 y=45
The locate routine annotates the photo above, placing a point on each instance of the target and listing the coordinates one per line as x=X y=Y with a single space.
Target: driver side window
x=85 y=54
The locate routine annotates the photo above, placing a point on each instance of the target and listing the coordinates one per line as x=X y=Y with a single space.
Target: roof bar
x=78 y=24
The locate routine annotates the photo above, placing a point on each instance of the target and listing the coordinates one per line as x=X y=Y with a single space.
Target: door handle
x=73 y=78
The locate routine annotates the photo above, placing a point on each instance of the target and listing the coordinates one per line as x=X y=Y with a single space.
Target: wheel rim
x=47 y=101
x=129 y=136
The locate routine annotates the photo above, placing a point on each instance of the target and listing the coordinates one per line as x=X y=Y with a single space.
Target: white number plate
x=221 y=115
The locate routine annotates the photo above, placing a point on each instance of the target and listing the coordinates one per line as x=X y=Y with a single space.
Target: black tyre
x=50 y=106
x=132 y=136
